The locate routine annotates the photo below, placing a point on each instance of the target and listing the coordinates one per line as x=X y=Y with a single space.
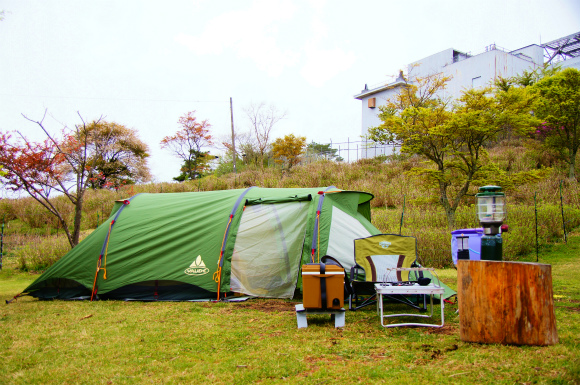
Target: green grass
x=115 y=342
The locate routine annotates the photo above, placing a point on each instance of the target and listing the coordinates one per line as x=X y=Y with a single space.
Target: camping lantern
x=491 y=213
x=462 y=247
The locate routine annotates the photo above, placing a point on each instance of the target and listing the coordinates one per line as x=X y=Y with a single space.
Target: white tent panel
x=268 y=248
x=344 y=229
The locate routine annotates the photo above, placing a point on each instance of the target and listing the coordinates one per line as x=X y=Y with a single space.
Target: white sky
x=146 y=63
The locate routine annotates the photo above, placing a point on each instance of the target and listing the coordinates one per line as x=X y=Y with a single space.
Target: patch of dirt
x=451 y=348
x=327 y=359
x=435 y=354
x=269 y=306
x=447 y=330
x=570 y=308
x=380 y=356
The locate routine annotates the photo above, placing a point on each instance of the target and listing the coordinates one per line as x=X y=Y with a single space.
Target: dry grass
x=394 y=189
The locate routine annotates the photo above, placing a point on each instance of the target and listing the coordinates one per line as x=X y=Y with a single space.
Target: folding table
x=408 y=289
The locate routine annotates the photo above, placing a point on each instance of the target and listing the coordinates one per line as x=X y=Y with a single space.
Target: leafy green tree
x=120 y=157
x=199 y=163
x=558 y=106
x=526 y=78
x=288 y=149
x=247 y=150
x=451 y=138
x=322 y=151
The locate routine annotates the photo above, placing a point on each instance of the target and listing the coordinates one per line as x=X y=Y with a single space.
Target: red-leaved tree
x=187 y=145
x=54 y=166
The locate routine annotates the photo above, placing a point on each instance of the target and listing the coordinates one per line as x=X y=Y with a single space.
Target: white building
x=466 y=71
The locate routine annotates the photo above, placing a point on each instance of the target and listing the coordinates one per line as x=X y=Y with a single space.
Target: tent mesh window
x=268 y=249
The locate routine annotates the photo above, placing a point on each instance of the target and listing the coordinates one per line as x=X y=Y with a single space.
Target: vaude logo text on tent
x=197 y=267
x=385 y=244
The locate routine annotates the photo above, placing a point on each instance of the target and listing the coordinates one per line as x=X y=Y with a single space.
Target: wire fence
x=349 y=151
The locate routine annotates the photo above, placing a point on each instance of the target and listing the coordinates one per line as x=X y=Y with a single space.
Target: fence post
x=563 y=220
x=2 y=242
x=402 y=214
x=536 y=212
x=348 y=150
x=331 y=148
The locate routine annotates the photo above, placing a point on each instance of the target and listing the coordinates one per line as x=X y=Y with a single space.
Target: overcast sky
x=146 y=63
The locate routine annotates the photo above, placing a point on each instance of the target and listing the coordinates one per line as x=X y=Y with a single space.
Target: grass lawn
x=115 y=342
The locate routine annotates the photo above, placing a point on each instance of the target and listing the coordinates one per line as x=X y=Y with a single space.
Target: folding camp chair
x=376 y=258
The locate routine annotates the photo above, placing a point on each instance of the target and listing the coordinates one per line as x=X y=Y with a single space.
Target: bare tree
x=262 y=120
x=246 y=148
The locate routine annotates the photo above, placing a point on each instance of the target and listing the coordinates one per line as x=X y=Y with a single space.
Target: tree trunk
x=450 y=213
x=506 y=303
x=444 y=201
x=77 y=221
x=66 y=230
x=572 y=173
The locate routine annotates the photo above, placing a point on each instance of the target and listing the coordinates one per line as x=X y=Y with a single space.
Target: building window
x=476 y=82
x=372 y=102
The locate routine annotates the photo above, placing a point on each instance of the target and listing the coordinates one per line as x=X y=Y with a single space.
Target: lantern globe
x=490 y=205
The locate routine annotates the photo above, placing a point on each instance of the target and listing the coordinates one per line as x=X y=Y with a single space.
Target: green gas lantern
x=491 y=214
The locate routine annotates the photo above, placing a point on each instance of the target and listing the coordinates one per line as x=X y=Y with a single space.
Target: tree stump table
x=506 y=303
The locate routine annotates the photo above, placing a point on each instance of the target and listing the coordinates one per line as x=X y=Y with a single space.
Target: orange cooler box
x=322 y=283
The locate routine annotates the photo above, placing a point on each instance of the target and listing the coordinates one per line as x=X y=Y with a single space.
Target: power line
x=117 y=99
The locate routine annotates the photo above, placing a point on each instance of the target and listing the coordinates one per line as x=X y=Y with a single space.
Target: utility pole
x=233 y=136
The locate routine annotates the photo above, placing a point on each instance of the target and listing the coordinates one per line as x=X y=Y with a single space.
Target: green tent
x=188 y=246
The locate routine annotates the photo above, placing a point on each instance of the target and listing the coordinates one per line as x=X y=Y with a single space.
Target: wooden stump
x=506 y=303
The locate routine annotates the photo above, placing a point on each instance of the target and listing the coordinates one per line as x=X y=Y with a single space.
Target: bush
x=44 y=252
x=34 y=214
x=429 y=226
x=7 y=212
x=387 y=178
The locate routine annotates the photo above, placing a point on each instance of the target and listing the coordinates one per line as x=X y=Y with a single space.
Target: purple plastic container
x=474 y=241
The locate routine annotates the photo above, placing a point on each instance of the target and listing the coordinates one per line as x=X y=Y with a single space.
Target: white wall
x=479 y=70
x=475 y=71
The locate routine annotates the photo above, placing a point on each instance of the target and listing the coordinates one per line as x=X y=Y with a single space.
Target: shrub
x=7 y=212
x=40 y=255
x=36 y=216
x=387 y=178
